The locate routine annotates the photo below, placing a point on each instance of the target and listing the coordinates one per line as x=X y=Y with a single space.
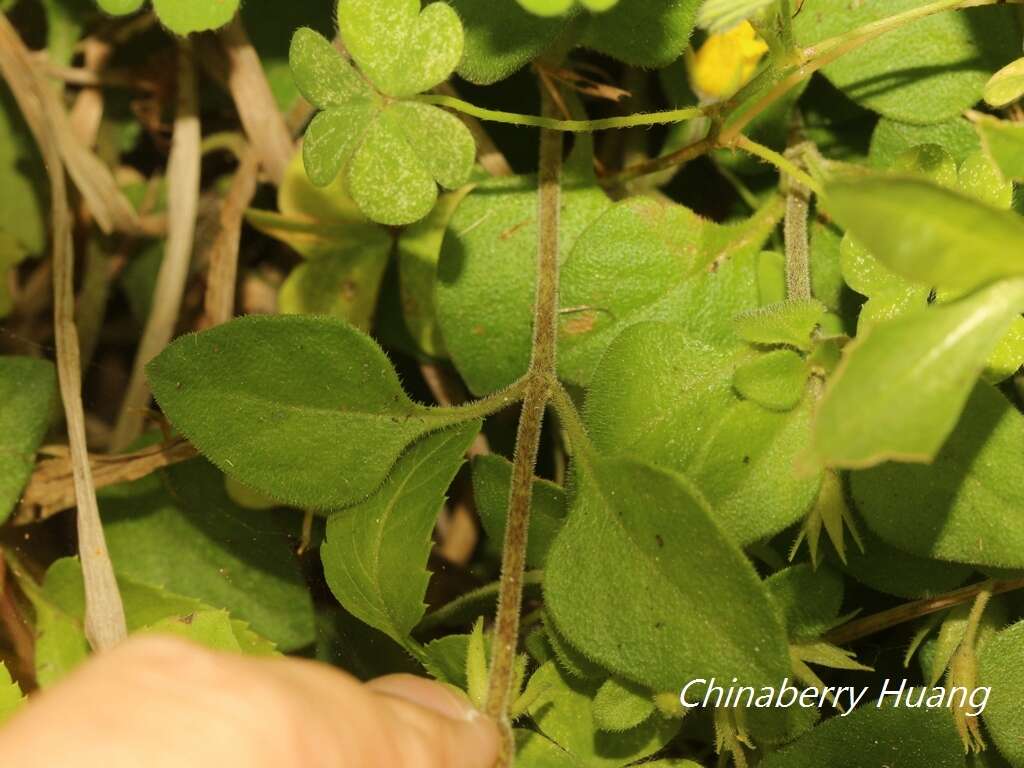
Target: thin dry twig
x=50 y=490
x=222 y=274
x=104 y=614
x=182 y=210
x=255 y=103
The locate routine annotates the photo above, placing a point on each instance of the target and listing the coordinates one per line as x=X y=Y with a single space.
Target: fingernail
x=437 y=697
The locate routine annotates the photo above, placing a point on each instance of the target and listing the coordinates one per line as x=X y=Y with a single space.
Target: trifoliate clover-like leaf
x=559 y=7
x=393 y=154
x=182 y=17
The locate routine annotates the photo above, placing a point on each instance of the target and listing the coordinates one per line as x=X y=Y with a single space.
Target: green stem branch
x=554 y=124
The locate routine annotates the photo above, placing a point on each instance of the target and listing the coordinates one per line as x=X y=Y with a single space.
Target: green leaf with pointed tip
x=1001 y=667
x=501 y=38
x=775 y=380
x=663 y=396
x=183 y=17
x=402 y=49
x=307 y=410
x=966 y=505
x=1006 y=85
x=901 y=385
x=808 y=598
x=916 y=738
x=563 y=712
x=182 y=532
x=929 y=234
x=1003 y=142
x=625 y=585
x=10 y=694
x=28 y=392
x=492 y=478
x=621 y=706
x=789 y=322
x=641 y=33
x=925 y=71
x=375 y=554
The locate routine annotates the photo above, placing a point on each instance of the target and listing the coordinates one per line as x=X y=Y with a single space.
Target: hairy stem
x=798 y=261
x=540 y=382
x=780 y=161
x=554 y=124
x=869 y=625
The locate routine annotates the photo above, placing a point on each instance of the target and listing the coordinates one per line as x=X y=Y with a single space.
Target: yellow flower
x=726 y=62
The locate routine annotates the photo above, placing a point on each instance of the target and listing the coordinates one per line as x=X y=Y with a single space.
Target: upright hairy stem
x=798 y=264
x=539 y=384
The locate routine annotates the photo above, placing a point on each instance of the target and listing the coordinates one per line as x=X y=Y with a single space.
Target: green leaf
x=621 y=706
x=1003 y=142
x=790 y=322
x=808 y=598
x=1001 y=667
x=979 y=177
x=1006 y=85
x=419 y=250
x=563 y=713
x=488 y=260
x=10 y=694
x=916 y=738
x=535 y=751
x=183 y=17
x=966 y=505
x=346 y=253
x=28 y=391
x=775 y=380
x=271 y=35
x=547 y=7
x=901 y=385
x=308 y=410
x=492 y=478
x=663 y=396
x=891 y=137
x=645 y=259
x=189 y=538
x=926 y=71
x=641 y=33
x=627 y=588
x=402 y=49
x=929 y=234
x=147 y=609
x=890 y=570
x=375 y=554
x=24 y=212
x=501 y=38
x=392 y=154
